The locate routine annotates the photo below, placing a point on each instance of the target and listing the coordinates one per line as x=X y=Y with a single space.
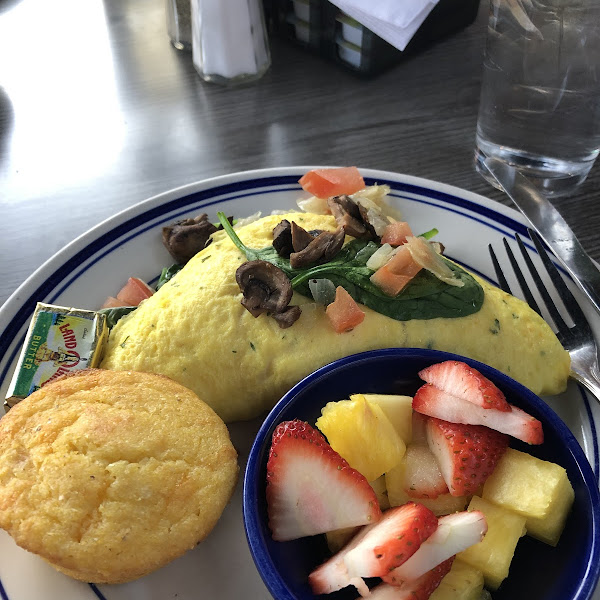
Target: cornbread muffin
x=110 y=475
x=195 y=330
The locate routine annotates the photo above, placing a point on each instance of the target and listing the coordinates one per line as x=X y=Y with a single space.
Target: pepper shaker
x=179 y=23
x=229 y=40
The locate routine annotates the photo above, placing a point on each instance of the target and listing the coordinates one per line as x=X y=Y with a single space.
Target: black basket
x=322 y=28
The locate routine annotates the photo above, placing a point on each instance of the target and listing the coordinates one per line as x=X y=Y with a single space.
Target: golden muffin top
x=110 y=475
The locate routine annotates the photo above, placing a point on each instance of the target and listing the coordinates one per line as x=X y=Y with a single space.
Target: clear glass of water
x=540 y=94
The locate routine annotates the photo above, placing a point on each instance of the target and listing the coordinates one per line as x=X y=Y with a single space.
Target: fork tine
x=499 y=273
x=556 y=316
x=529 y=298
x=565 y=294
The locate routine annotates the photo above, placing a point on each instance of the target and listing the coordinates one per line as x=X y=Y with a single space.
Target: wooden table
x=98 y=112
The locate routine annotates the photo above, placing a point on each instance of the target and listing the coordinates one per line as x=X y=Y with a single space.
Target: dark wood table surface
x=98 y=112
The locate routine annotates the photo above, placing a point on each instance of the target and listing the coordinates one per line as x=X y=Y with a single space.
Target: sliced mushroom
x=322 y=249
x=186 y=238
x=364 y=215
x=266 y=288
x=288 y=317
x=282 y=238
x=300 y=237
x=347 y=215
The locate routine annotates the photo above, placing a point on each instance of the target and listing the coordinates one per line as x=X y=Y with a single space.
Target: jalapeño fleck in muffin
x=111 y=475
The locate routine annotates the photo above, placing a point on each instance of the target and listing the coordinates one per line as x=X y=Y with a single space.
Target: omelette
x=195 y=330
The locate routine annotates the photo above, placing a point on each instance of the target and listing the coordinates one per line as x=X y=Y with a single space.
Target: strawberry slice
x=461 y=380
x=455 y=533
x=466 y=454
x=333 y=574
x=430 y=400
x=311 y=489
x=377 y=549
x=418 y=589
x=391 y=541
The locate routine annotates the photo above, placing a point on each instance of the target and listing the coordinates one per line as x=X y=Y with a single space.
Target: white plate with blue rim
x=99 y=262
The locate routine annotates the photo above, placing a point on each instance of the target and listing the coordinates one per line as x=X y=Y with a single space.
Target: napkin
x=396 y=21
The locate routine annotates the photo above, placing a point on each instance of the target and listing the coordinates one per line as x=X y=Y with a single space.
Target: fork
x=577 y=339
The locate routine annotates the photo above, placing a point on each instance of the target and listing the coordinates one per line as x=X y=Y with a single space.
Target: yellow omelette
x=195 y=330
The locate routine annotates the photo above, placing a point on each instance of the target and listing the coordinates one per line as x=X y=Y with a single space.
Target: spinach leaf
x=425 y=297
x=167 y=274
x=114 y=314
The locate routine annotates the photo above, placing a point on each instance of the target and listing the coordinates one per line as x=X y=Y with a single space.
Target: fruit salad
x=423 y=493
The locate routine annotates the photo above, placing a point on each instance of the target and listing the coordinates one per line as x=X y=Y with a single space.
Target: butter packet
x=59 y=340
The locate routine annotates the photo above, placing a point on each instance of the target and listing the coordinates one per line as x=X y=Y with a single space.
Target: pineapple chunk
x=338 y=538
x=398 y=409
x=493 y=555
x=536 y=489
x=462 y=582
x=444 y=504
x=361 y=433
x=380 y=490
x=396 y=485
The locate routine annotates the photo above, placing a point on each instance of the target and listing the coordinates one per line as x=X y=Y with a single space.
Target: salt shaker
x=179 y=23
x=229 y=40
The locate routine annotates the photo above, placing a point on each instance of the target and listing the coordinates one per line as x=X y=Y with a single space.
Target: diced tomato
x=134 y=291
x=395 y=233
x=325 y=183
x=344 y=313
x=112 y=302
x=396 y=273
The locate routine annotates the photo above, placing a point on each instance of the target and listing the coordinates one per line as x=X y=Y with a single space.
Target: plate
x=100 y=261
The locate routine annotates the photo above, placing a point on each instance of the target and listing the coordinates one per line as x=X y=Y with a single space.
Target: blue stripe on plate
x=96 y=591
x=3 y=593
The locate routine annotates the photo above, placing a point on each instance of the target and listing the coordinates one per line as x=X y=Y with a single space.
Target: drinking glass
x=540 y=94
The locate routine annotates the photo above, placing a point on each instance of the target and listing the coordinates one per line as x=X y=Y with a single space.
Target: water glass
x=540 y=94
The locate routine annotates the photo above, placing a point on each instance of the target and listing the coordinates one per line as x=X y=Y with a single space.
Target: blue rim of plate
x=170 y=206
x=252 y=522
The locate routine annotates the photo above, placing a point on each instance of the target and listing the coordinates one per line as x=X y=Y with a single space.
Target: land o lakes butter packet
x=59 y=340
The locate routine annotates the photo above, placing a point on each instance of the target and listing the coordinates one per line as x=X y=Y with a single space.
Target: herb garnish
x=425 y=297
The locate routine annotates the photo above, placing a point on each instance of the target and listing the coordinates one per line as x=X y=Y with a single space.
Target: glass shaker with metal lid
x=229 y=40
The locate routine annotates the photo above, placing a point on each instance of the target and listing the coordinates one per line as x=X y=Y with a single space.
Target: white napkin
x=396 y=21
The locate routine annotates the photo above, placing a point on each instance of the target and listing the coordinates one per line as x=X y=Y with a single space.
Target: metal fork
x=578 y=339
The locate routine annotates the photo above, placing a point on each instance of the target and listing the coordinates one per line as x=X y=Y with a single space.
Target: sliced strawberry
x=418 y=589
x=311 y=489
x=333 y=574
x=391 y=541
x=434 y=402
x=459 y=379
x=467 y=454
x=455 y=533
x=423 y=478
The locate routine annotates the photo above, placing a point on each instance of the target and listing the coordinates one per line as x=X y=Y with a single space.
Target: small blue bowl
x=568 y=572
